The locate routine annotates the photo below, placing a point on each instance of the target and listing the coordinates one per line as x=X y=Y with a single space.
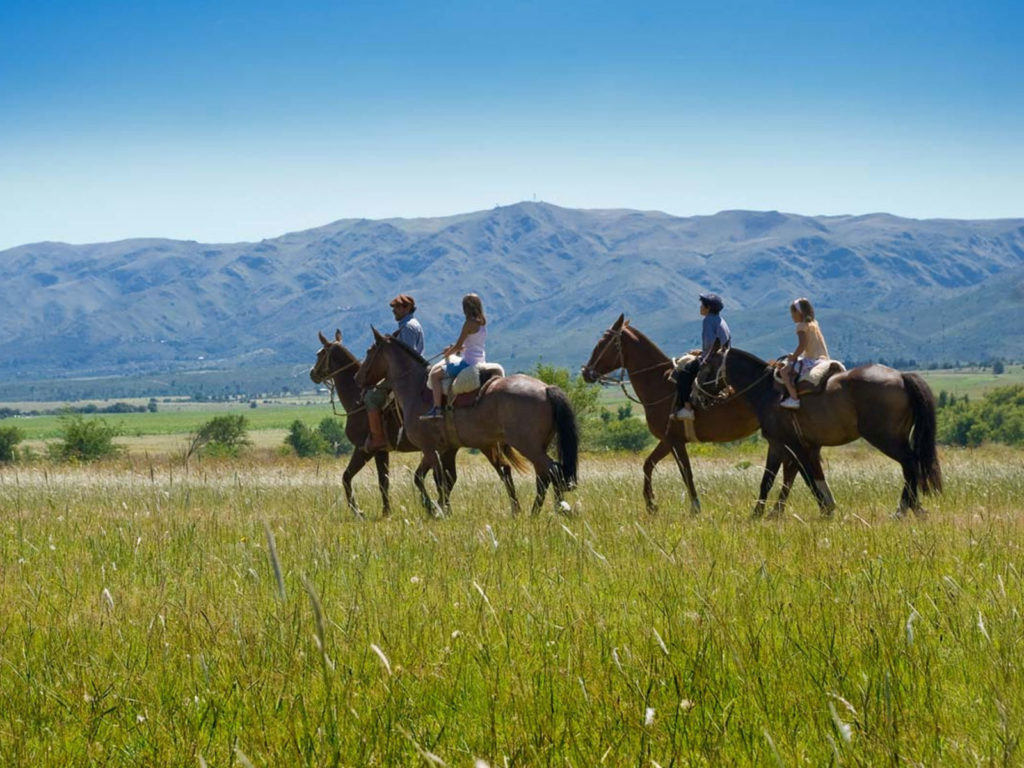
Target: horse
x=336 y=365
x=721 y=420
x=518 y=411
x=893 y=411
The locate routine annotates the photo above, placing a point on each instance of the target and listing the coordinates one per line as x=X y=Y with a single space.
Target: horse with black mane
x=719 y=420
x=893 y=411
x=517 y=412
x=336 y=365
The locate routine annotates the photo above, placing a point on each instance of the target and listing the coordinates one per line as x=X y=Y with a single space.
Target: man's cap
x=403 y=300
x=713 y=301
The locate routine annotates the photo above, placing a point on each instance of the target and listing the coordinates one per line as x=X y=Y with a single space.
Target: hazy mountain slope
x=552 y=279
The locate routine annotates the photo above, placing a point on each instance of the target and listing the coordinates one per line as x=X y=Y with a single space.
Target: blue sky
x=229 y=121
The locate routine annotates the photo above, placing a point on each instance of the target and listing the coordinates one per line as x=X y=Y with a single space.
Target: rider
x=410 y=332
x=714 y=328
x=809 y=349
x=470 y=343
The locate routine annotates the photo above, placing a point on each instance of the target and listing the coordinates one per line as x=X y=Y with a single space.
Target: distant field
x=972 y=382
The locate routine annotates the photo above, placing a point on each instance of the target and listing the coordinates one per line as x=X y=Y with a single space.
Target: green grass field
x=142 y=622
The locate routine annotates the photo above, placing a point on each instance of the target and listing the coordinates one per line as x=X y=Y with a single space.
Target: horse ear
x=376 y=334
x=337 y=334
x=617 y=325
x=323 y=339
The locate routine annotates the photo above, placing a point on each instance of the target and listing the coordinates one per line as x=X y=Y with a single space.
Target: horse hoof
x=694 y=508
x=758 y=511
x=921 y=512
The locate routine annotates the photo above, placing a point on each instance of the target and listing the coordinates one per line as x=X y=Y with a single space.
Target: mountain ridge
x=552 y=279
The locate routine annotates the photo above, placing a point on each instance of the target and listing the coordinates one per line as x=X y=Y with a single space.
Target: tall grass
x=142 y=621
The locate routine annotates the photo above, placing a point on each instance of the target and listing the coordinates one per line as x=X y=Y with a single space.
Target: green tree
x=998 y=367
x=221 y=436
x=9 y=439
x=85 y=439
x=304 y=441
x=333 y=433
x=582 y=396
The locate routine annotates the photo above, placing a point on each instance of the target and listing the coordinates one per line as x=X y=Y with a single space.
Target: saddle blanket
x=812 y=373
x=468 y=379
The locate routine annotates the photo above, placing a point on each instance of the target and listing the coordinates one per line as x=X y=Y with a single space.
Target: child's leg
x=436 y=377
x=789 y=379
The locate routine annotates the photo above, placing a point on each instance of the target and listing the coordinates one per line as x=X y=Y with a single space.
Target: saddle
x=813 y=379
x=466 y=388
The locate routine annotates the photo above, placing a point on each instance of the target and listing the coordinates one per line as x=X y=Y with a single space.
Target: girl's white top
x=473 y=347
x=814 y=342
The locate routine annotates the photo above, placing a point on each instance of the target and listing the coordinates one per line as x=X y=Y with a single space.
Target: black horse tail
x=568 y=435
x=922 y=439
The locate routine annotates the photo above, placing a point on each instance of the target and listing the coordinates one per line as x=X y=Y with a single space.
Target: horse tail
x=568 y=434
x=515 y=459
x=922 y=440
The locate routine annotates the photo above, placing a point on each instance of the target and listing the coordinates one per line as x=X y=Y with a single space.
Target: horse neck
x=345 y=379
x=746 y=374
x=406 y=375
x=646 y=366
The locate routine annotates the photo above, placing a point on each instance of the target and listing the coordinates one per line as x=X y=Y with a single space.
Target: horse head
x=375 y=365
x=329 y=358
x=607 y=354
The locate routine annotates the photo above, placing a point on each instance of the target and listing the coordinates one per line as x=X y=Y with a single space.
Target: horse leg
x=789 y=470
x=683 y=462
x=449 y=475
x=771 y=468
x=382 y=459
x=661 y=450
x=426 y=464
x=355 y=463
x=899 y=450
x=505 y=473
x=815 y=477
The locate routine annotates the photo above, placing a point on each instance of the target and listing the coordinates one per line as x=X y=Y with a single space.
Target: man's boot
x=376 y=440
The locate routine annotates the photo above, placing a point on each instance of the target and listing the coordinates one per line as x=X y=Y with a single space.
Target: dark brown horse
x=518 y=411
x=893 y=411
x=624 y=347
x=334 y=363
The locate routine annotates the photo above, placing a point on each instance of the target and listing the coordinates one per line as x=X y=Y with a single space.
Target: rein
x=621 y=368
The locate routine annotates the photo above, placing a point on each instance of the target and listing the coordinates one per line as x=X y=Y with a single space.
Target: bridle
x=606 y=378
x=331 y=386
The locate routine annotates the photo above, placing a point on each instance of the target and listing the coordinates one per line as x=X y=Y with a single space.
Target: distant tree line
x=90 y=408
x=997 y=417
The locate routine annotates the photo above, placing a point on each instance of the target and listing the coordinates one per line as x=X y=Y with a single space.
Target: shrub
x=85 y=439
x=626 y=434
x=582 y=396
x=333 y=433
x=998 y=417
x=328 y=438
x=9 y=438
x=220 y=436
x=305 y=441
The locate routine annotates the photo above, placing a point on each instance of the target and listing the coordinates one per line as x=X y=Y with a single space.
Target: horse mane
x=641 y=337
x=749 y=357
x=408 y=350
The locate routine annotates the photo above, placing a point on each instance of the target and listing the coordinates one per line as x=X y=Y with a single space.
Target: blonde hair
x=473 y=308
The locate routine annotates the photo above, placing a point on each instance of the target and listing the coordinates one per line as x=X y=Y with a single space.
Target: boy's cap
x=713 y=301
x=403 y=300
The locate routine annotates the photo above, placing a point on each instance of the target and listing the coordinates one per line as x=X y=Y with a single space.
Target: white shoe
x=791 y=402
x=683 y=414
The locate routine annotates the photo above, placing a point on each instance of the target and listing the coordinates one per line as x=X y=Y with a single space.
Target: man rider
x=409 y=332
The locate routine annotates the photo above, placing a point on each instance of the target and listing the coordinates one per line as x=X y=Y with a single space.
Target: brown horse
x=893 y=411
x=334 y=363
x=720 y=421
x=518 y=411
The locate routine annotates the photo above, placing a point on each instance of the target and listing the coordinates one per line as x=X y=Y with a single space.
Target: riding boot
x=376 y=440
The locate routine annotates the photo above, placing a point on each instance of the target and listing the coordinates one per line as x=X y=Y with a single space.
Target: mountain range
x=552 y=279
